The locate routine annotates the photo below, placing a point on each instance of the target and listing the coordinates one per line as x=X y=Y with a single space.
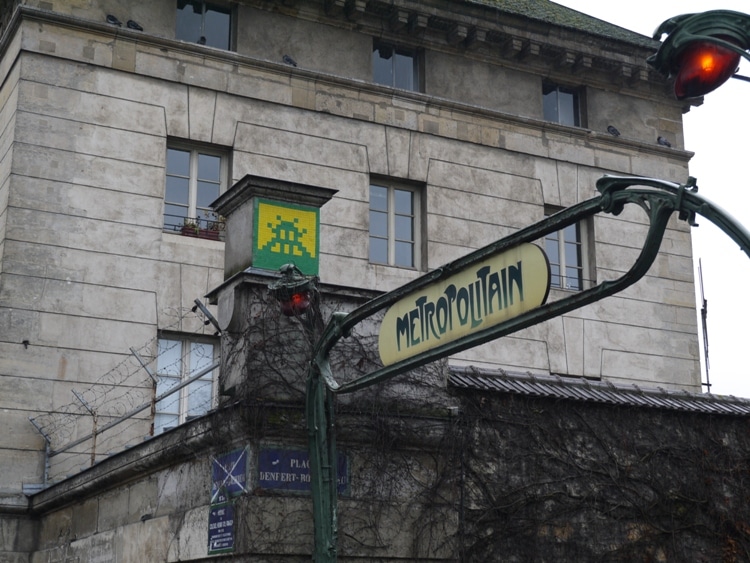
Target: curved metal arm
x=658 y=198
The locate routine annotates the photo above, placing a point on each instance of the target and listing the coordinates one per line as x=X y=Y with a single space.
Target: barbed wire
x=118 y=409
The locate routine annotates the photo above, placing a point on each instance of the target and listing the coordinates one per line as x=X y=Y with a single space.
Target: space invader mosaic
x=286 y=233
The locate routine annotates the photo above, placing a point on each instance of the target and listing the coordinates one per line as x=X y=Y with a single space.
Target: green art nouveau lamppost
x=512 y=259
x=701 y=51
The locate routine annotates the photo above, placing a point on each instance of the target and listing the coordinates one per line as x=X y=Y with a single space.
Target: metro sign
x=475 y=298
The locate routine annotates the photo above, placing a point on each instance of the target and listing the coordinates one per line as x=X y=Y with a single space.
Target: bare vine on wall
x=391 y=434
x=558 y=480
x=500 y=478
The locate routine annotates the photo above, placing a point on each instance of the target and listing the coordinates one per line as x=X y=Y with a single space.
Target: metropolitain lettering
x=490 y=291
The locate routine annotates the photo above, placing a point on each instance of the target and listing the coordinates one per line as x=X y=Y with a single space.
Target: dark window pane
x=216 y=27
x=164 y=422
x=567 y=109
x=404 y=71
x=560 y=105
x=572 y=278
x=378 y=224
x=404 y=205
x=404 y=228
x=199 y=398
x=170 y=357
x=379 y=198
x=404 y=254
x=176 y=210
x=204 y=216
x=201 y=356
x=209 y=167
x=570 y=234
x=189 y=20
x=178 y=162
x=572 y=255
x=382 y=65
x=171 y=403
x=207 y=193
x=554 y=275
x=550 y=107
x=378 y=250
x=174 y=216
x=552 y=248
x=177 y=190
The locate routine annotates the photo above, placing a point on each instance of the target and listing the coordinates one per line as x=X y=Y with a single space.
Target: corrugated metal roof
x=555 y=14
x=596 y=392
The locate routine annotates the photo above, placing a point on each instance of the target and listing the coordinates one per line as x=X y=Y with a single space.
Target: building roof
x=555 y=14
x=604 y=392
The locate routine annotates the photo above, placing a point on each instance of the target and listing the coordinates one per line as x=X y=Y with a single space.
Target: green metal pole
x=658 y=198
x=322 y=445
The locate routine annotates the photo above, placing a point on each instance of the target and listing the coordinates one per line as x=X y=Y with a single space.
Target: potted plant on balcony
x=215 y=224
x=190 y=227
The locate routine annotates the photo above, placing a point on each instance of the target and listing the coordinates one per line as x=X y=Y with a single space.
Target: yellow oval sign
x=478 y=297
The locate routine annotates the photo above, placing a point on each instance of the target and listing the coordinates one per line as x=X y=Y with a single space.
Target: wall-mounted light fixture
x=296 y=293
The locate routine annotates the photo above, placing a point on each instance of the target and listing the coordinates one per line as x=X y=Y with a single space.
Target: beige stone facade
x=88 y=109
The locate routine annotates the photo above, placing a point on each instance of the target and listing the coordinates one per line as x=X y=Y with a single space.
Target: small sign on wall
x=228 y=480
x=289 y=470
x=228 y=476
x=221 y=528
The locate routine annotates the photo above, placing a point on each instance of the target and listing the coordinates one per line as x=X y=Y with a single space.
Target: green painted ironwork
x=658 y=198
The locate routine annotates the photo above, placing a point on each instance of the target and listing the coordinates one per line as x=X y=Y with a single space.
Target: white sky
x=715 y=132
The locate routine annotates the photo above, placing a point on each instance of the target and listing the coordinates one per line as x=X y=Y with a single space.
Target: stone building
x=435 y=128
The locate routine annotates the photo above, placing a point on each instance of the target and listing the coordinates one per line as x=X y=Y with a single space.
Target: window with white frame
x=568 y=257
x=179 y=361
x=562 y=104
x=395 y=66
x=394 y=225
x=195 y=177
x=206 y=23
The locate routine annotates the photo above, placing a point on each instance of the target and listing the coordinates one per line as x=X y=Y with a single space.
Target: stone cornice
x=486 y=32
x=430 y=108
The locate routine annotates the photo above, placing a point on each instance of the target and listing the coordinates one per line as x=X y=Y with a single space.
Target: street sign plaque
x=477 y=297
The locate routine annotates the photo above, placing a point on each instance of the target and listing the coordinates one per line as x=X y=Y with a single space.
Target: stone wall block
x=144 y=541
x=63 y=331
x=16 y=534
x=91 y=170
x=90 y=107
x=56 y=529
x=86 y=517
x=113 y=509
x=202 y=108
x=303 y=148
x=189 y=540
x=81 y=137
x=21 y=467
x=143 y=500
x=398 y=146
x=65 y=297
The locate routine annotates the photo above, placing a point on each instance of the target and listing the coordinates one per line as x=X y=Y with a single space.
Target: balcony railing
x=201 y=227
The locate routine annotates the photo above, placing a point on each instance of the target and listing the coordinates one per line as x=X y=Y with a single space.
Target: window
x=562 y=105
x=568 y=260
x=195 y=178
x=178 y=360
x=394 y=225
x=395 y=66
x=205 y=23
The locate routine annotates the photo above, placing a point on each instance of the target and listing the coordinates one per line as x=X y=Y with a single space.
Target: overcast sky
x=715 y=132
